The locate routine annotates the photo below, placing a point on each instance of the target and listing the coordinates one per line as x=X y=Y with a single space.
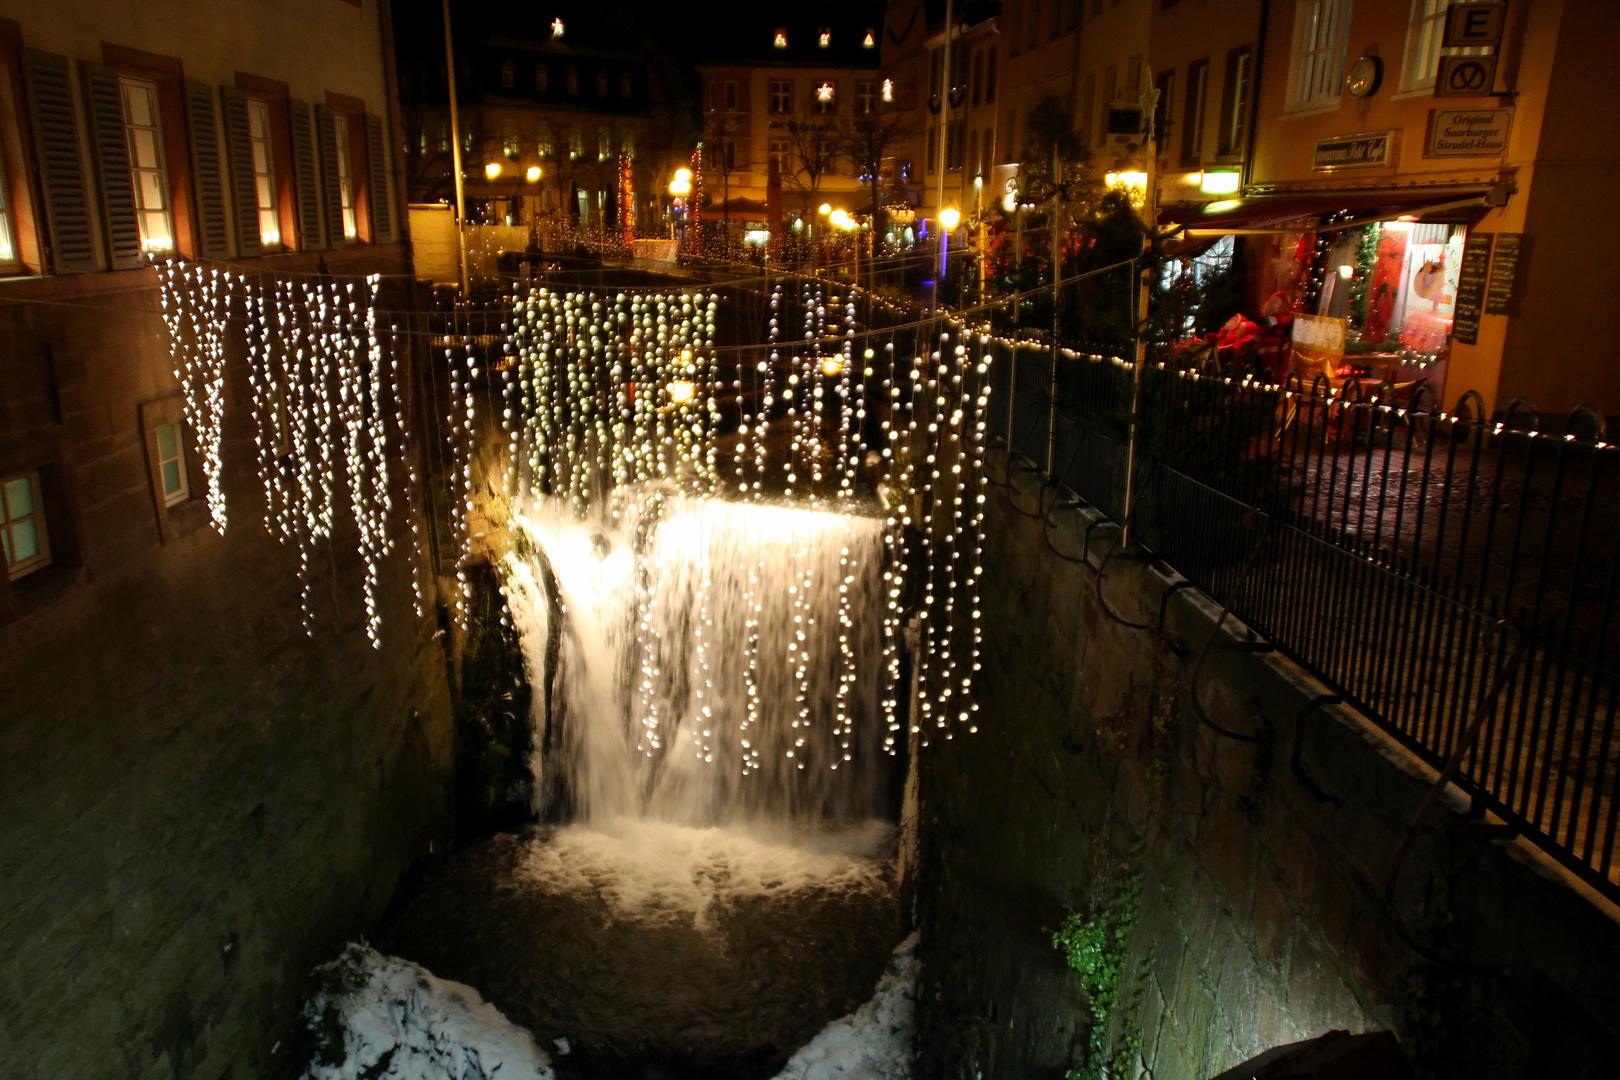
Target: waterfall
x=705 y=662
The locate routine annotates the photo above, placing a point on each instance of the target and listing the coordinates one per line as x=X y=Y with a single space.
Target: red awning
x=1265 y=213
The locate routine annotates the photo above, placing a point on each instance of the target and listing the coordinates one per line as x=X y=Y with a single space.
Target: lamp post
x=679 y=188
x=949 y=218
x=455 y=147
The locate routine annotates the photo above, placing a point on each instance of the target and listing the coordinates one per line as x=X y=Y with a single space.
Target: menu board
x=1504 y=274
x=1476 y=264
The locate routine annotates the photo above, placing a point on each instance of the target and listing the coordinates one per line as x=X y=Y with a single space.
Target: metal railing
x=1377 y=542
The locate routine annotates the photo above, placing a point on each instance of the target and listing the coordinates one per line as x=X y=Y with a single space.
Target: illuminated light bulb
x=492 y=171
x=533 y=173
x=950 y=217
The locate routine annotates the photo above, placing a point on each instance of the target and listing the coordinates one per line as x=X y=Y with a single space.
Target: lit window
x=1424 y=34
x=22 y=525
x=146 y=164
x=547 y=148
x=779 y=152
x=627 y=145
x=264 y=179
x=576 y=142
x=781 y=96
x=604 y=143
x=172 y=465
x=1322 y=29
x=512 y=144
x=8 y=249
x=351 y=228
x=826 y=94
x=1235 y=106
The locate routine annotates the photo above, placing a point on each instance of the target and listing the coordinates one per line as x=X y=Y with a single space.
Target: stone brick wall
x=199 y=801
x=1261 y=917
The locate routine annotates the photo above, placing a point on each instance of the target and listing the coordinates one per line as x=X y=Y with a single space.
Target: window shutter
x=56 y=139
x=109 y=146
x=382 y=188
x=207 y=177
x=326 y=136
x=306 y=177
x=244 y=187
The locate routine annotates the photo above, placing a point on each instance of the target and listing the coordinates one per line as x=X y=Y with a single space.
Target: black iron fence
x=1382 y=544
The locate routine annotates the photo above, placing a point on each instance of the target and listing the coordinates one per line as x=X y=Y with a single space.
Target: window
x=976 y=90
x=933 y=149
x=548 y=146
x=781 y=97
x=866 y=96
x=1423 y=50
x=990 y=77
x=627 y=144
x=1034 y=23
x=601 y=84
x=1088 y=107
x=604 y=143
x=508 y=75
x=511 y=143
x=780 y=152
x=542 y=79
x=1057 y=19
x=1165 y=84
x=973 y=154
x=955 y=144
x=576 y=142
x=626 y=85
x=1192 y=124
x=729 y=95
x=264 y=179
x=1235 y=102
x=1321 y=30
x=826 y=98
x=1009 y=136
x=1013 y=39
x=22 y=525
x=172 y=465
x=936 y=71
x=146 y=164
x=351 y=224
x=571 y=80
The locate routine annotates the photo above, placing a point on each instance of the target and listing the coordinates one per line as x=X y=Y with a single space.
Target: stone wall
x=199 y=801
x=1260 y=918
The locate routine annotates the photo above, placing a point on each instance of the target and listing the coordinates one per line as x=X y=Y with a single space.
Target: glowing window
x=146 y=164
x=264 y=177
x=22 y=525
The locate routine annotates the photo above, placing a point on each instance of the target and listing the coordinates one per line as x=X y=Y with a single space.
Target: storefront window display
x=1395 y=285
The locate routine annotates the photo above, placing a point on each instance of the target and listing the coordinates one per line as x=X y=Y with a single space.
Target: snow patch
x=383 y=1018
x=875 y=1041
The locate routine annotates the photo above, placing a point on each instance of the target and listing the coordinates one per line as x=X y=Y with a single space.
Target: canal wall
x=1242 y=901
x=200 y=800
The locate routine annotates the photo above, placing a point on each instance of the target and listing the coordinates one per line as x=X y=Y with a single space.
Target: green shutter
x=244 y=186
x=71 y=247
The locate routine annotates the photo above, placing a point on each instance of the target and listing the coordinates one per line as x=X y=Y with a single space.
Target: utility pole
x=1139 y=313
x=455 y=148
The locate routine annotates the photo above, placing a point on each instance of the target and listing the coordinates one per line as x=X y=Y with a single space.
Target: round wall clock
x=1364 y=76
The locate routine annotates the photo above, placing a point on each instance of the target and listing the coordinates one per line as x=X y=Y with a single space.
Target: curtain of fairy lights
x=326 y=392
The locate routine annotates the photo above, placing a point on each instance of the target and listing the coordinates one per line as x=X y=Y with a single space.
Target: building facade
x=205 y=795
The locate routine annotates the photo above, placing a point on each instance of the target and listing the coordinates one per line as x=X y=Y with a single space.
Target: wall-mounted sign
x=1476 y=262
x=1469 y=25
x=1465 y=76
x=1504 y=273
x=1468 y=132
x=1372 y=150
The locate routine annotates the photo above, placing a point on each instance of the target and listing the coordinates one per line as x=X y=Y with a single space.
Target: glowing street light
x=950 y=217
x=681 y=391
x=492 y=171
x=681 y=186
x=824 y=209
x=533 y=174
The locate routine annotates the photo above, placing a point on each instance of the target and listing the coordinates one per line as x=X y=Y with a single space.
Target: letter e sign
x=1473 y=25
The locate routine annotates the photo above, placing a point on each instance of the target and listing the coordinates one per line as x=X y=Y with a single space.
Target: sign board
x=1465 y=76
x=1468 y=132
x=1318 y=345
x=1372 y=150
x=1476 y=262
x=1473 y=25
x=1504 y=273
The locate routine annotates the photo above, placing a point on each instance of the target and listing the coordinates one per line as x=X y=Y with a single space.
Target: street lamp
x=492 y=171
x=533 y=174
x=679 y=188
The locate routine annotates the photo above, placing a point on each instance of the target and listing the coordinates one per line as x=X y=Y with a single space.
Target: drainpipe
x=1254 y=93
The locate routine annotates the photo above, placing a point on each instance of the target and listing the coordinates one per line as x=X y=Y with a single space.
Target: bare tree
x=814 y=148
x=869 y=140
x=720 y=154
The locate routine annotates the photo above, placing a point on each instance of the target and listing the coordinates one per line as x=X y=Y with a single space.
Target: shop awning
x=737 y=207
x=1271 y=213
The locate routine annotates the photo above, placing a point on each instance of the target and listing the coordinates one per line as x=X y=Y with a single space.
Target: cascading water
x=715 y=662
